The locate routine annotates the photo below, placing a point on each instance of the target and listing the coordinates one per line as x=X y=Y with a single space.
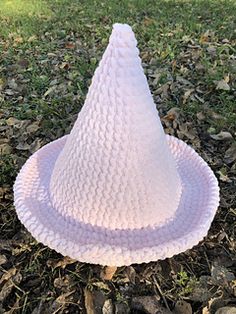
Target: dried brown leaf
x=70 y=45
x=23 y=146
x=108 y=272
x=222 y=85
x=206 y=37
x=65 y=297
x=10 y=92
x=223 y=175
x=222 y=136
x=7 y=275
x=12 y=121
x=12 y=280
x=211 y=50
x=172 y=114
x=5 y=149
x=187 y=130
x=61 y=263
x=102 y=286
x=3 y=259
x=230 y=154
x=37 y=143
x=33 y=127
x=201 y=116
x=107 y=307
x=187 y=95
x=50 y=90
x=89 y=302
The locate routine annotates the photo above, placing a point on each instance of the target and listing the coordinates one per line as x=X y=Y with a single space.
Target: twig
x=160 y=292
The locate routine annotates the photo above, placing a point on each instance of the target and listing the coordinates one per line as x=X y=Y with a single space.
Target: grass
x=33 y=29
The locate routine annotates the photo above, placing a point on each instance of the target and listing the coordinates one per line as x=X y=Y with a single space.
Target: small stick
x=161 y=293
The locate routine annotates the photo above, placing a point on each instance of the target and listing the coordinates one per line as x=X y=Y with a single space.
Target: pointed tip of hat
x=123 y=34
x=122 y=28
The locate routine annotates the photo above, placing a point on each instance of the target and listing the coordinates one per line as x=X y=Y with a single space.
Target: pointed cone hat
x=117 y=190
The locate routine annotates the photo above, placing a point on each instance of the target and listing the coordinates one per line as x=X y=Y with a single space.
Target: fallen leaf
x=63 y=298
x=201 y=116
x=107 y=307
x=64 y=65
x=23 y=146
x=10 y=92
x=88 y=302
x=211 y=130
x=9 y=284
x=3 y=259
x=61 y=263
x=32 y=38
x=22 y=248
x=216 y=116
x=147 y=21
x=12 y=121
x=226 y=78
x=60 y=282
x=18 y=40
x=186 y=130
x=70 y=45
x=102 y=286
x=2 y=83
x=37 y=143
x=12 y=84
x=211 y=50
x=225 y=41
x=50 y=91
x=7 y=275
x=222 y=136
x=5 y=149
x=230 y=154
x=131 y=274
x=172 y=114
x=222 y=85
x=205 y=37
x=33 y=127
x=223 y=175
x=108 y=272
x=213 y=304
x=183 y=81
x=186 y=95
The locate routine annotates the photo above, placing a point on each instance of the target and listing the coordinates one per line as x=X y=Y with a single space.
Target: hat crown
x=115 y=170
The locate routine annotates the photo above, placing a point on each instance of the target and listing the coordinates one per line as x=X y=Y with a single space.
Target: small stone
x=226 y=310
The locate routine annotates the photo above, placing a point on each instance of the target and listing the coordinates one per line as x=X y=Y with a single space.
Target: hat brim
x=92 y=244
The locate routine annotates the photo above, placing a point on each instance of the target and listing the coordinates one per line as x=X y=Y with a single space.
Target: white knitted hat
x=117 y=190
